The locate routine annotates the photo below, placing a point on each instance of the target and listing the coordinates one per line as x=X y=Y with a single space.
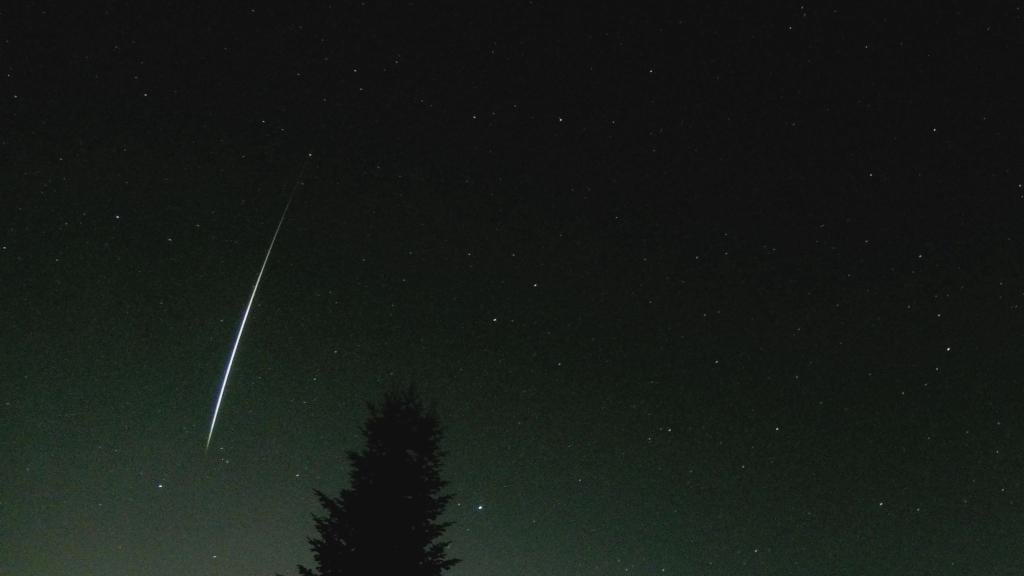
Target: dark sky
x=697 y=290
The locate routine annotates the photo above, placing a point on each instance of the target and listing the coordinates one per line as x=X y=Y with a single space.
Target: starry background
x=698 y=290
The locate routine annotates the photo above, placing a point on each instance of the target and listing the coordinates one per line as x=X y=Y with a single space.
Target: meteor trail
x=245 y=315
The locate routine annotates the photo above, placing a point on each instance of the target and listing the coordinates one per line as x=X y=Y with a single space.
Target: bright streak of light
x=248 y=307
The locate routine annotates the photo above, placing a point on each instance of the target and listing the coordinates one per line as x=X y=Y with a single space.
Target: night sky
x=697 y=290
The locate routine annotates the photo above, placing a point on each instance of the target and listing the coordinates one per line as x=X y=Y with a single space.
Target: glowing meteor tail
x=248 y=307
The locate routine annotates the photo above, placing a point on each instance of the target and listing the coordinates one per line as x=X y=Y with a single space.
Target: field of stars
x=697 y=290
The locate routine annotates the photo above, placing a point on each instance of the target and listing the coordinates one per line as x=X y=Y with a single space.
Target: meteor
x=248 y=306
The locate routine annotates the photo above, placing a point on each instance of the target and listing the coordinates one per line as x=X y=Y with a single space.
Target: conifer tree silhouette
x=387 y=521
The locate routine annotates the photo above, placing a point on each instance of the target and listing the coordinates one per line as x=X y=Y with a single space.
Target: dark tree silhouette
x=387 y=521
